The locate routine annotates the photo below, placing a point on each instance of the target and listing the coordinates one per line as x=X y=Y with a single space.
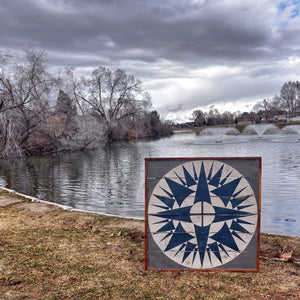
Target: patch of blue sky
x=282 y=6
x=293 y=7
x=294 y=13
x=289 y=3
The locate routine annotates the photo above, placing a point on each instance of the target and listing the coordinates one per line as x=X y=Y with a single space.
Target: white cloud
x=291 y=62
x=188 y=53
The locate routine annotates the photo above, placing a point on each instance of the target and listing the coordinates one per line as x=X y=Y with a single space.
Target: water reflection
x=111 y=180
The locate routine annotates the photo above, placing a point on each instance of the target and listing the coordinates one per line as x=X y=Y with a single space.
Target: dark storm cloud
x=191 y=32
x=165 y=42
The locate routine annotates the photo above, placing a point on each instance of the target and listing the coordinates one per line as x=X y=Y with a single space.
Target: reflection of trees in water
x=112 y=179
x=122 y=174
x=106 y=178
x=32 y=176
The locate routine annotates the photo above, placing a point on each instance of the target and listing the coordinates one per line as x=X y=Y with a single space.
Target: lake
x=112 y=180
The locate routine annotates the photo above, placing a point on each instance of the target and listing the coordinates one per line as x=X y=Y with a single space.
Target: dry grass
x=58 y=254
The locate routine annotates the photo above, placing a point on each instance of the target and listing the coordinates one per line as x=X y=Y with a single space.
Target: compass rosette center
x=202 y=214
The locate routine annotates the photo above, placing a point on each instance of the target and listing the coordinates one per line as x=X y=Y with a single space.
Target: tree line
x=45 y=112
x=285 y=104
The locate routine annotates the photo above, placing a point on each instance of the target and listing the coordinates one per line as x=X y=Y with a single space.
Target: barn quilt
x=202 y=213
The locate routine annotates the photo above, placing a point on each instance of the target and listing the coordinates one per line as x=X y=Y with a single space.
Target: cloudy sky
x=190 y=54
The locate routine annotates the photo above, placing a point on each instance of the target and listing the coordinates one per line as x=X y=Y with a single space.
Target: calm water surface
x=111 y=180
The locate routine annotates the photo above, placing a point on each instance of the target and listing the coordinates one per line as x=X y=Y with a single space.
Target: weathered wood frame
x=179 y=161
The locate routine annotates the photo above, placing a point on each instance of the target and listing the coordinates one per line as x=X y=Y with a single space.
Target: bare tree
x=112 y=96
x=25 y=87
x=73 y=87
x=227 y=118
x=266 y=107
x=265 y=104
x=9 y=145
x=88 y=134
x=198 y=118
x=290 y=96
x=109 y=104
x=213 y=117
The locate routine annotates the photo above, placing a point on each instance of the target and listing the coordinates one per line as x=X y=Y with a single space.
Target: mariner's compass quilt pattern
x=202 y=213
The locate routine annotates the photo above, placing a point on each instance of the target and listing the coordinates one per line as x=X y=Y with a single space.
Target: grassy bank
x=49 y=253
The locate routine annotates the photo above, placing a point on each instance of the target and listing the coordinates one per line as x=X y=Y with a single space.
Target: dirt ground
x=50 y=253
